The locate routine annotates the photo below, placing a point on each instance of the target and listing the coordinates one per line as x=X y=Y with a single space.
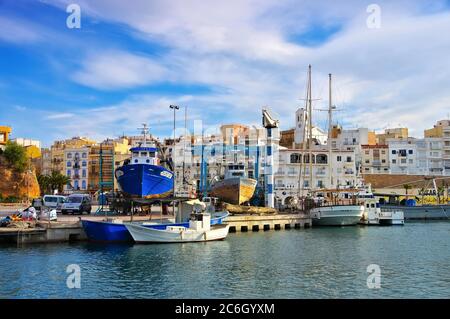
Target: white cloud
x=115 y=70
x=18 y=31
x=241 y=49
x=59 y=116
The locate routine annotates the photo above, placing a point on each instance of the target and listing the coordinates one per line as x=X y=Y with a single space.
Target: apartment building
x=375 y=159
x=293 y=173
x=4 y=136
x=76 y=168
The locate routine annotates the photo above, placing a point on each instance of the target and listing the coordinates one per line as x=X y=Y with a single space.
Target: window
x=383 y=152
x=144 y=154
x=84 y=155
x=410 y=161
x=410 y=151
x=349 y=159
x=394 y=161
x=83 y=173
x=383 y=161
x=367 y=161
x=403 y=160
x=394 y=152
x=354 y=140
x=306 y=184
x=69 y=155
x=69 y=164
x=320 y=184
x=84 y=163
x=83 y=185
x=321 y=159
x=339 y=158
x=69 y=173
x=296 y=158
x=367 y=152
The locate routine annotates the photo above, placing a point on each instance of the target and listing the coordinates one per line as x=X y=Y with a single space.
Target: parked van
x=77 y=204
x=54 y=201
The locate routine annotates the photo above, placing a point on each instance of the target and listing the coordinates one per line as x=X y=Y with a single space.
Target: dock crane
x=272 y=135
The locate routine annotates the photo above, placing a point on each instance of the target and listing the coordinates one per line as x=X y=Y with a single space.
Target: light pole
x=175 y=108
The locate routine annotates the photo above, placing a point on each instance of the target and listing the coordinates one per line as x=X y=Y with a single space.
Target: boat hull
x=100 y=231
x=108 y=232
x=235 y=190
x=142 y=234
x=345 y=215
x=145 y=180
x=421 y=212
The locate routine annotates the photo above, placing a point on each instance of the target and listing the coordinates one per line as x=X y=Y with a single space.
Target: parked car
x=77 y=204
x=54 y=201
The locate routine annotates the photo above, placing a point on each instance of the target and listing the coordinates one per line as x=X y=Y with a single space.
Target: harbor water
x=310 y=263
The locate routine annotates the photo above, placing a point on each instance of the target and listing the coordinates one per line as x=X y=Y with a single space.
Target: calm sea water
x=312 y=263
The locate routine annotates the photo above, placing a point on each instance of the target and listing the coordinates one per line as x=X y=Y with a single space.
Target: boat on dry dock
x=236 y=188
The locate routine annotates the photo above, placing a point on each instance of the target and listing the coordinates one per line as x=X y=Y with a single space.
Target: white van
x=54 y=201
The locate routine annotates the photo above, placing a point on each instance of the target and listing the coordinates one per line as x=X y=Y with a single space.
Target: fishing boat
x=337 y=215
x=142 y=176
x=199 y=230
x=236 y=188
x=114 y=230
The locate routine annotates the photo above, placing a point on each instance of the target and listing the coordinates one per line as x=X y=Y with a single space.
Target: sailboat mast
x=330 y=127
x=310 y=129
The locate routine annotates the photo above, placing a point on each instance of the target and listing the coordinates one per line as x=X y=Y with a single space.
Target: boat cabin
x=144 y=155
x=235 y=170
x=200 y=221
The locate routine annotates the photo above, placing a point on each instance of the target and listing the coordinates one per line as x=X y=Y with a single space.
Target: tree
x=422 y=192
x=16 y=155
x=407 y=187
x=55 y=181
x=440 y=192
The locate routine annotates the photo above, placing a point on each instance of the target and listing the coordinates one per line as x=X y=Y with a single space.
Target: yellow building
x=4 y=135
x=234 y=134
x=58 y=147
x=104 y=158
x=397 y=133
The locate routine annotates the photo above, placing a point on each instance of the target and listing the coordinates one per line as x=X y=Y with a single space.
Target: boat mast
x=144 y=132
x=330 y=126
x=309 y=112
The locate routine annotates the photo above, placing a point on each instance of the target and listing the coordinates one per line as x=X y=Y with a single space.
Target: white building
x=76 y=163
x=301 y=127
x=403 y=156
x=293 y=172
x=26 y=142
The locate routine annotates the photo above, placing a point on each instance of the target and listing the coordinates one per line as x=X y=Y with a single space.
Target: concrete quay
x=244 y=223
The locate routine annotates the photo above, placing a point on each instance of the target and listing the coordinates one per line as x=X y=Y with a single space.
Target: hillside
x=14 y=183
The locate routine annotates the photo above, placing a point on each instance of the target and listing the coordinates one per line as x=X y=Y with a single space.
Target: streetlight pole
x=174 y=107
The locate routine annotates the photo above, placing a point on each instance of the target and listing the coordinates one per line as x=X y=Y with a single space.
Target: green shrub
x=16 y=155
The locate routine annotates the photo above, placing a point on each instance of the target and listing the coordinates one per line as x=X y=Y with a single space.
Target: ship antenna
x=144 y=132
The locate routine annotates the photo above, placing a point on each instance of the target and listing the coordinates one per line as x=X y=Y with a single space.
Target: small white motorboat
x=200 y=229
x=374 y=216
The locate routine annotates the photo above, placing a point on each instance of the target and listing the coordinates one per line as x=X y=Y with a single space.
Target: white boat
x=200 y=229
x=337 y=215
x=374 y=216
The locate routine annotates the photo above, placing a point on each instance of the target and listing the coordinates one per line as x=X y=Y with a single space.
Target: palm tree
x=52 y=182
x=407 y=187
x=422 y=193
x=440 y=192
x=58 y=180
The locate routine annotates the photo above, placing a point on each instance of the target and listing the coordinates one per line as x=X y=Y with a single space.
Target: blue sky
x=224 y=60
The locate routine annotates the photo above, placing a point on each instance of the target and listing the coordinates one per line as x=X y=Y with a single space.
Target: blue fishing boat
x=116 y=232
x=142 y=176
